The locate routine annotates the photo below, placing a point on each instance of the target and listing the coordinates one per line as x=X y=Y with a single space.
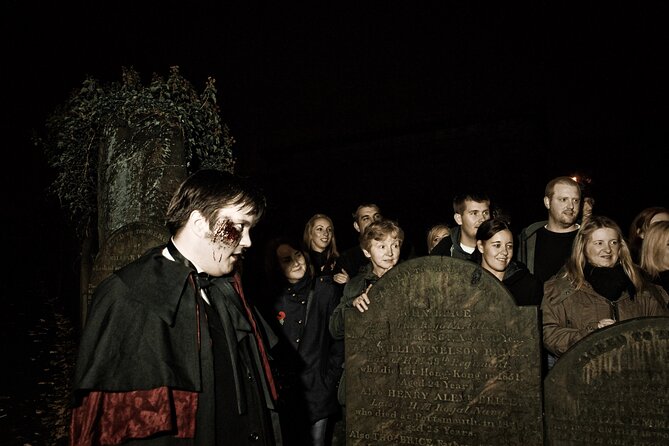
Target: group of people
x=309 y=285
x=174 y=353
x=579 y=268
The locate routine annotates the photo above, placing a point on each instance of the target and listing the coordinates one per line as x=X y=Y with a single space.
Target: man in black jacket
x=172 y=353
x=469 y=211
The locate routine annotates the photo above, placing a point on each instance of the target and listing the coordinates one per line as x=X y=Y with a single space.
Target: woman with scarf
x=599 y=285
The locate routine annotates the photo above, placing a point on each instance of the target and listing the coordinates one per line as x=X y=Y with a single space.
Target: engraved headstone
x=442 y=357
x=612 y=387
x=122 y=247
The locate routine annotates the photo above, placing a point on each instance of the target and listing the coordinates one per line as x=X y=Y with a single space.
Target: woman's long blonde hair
x=576 y=262
x=653 y=248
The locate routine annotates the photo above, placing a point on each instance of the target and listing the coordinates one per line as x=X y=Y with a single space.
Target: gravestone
x=442 y=357
x=139 y=168
x=138 y=171
x=612 y=387
x=122 y=247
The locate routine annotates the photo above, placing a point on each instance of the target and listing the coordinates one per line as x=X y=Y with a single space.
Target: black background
x=333 y=105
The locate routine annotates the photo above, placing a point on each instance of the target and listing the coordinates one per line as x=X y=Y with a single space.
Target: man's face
x=474 y=214
x=229 y=239
x=563 y=206
x=384 y=254
x=366 y=215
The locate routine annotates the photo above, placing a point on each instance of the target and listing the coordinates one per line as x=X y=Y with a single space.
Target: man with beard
x=544 y=246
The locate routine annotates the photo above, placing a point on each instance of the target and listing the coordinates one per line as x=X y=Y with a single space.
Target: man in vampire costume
x=172 y=353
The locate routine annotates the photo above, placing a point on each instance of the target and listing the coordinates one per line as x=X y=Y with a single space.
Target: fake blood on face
x=226 y=232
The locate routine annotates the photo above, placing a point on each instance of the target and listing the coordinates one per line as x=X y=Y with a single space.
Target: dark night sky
x=337 y=103
x=317 y=84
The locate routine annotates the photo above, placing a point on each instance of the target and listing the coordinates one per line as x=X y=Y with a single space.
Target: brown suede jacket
x=570 y=314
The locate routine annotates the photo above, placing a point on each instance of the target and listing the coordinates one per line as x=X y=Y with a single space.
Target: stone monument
x=442 y=357
x=612 y=387
x=123 y=246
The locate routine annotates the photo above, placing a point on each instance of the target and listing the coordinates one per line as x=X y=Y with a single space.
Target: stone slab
x=442 y=357
x=122 y=247
x=612 y=387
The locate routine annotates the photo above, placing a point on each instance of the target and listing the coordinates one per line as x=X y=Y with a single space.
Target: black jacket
x=353 y=260
x=308 y=359
x=148 y=332
x=524 y=287
x=450 y=246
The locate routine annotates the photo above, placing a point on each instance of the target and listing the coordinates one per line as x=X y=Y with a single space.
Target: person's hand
x=361 y=302
x=605 y=323
x=341 y=277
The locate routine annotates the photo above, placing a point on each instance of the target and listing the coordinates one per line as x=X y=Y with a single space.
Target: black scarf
x=663 y=280
x=609 y=282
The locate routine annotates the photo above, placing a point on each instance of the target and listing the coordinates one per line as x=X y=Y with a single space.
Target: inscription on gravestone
x=122 y=247
x=612 y=387
x=442 y=357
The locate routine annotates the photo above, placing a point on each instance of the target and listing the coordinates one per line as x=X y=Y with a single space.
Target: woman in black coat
x=308 y=361
x=494 y=252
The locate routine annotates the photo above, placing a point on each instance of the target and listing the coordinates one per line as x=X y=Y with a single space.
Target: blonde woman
x=435 y=234
x=599 y=285
x=643 y=220
x=655 y=254
x=321 y=244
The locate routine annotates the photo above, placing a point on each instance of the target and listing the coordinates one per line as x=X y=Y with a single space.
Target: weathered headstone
x=138 y=171
x=122 y=247
x=612 y=387
x=442 y=357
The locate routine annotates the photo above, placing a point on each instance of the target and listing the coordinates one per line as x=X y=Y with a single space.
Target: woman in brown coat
x=598 y=286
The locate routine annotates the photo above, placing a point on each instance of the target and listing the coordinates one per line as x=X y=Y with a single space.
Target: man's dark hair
x=208 y=191
x=459 y=200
